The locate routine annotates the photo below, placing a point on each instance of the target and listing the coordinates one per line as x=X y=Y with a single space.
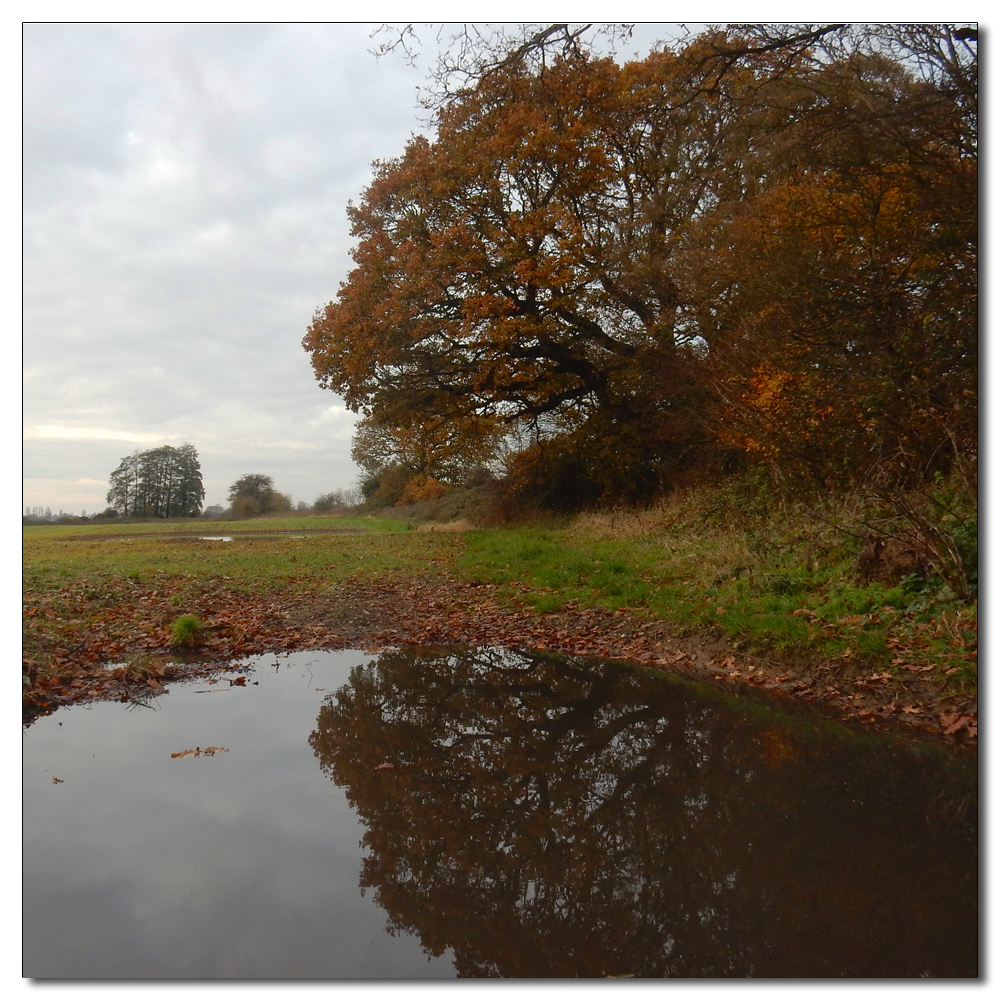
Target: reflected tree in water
x=565 y=817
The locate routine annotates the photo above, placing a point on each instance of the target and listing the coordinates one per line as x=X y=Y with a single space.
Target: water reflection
x=563 y=817
x=243 y=864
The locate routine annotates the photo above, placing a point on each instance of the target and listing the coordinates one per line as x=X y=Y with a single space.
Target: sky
x=185 y=188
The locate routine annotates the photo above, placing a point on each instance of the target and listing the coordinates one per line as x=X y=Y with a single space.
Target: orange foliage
x=421 y=488
x=585 y=250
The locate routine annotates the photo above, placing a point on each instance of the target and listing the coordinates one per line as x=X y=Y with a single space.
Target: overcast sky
x=184 y=216
x=185 y=188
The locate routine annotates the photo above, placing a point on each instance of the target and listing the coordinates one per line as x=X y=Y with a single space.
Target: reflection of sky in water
x=243 y=864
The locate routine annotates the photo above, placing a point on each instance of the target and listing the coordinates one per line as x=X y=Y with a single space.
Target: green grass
x=777 y=592
x=185 y=630
x=779 y=585
x=145 y=553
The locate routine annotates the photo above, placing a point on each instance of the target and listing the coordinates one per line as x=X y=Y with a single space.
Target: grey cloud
x=184 y=215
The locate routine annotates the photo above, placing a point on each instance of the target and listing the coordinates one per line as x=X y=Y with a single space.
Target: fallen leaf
x=57 y=781
x=959 y=723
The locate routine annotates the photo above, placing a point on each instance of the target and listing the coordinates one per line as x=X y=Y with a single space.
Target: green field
x=780 y=588
x=172 y=553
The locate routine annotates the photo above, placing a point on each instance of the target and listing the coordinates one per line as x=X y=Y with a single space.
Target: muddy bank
x=67 y=661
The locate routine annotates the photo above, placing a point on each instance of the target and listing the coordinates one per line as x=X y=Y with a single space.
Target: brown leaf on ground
x=439 y=610
x=952 y=724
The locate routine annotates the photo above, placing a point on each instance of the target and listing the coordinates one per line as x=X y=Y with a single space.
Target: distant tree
x=190 y=491
x=124 y=492
x=254 y=494
x=336 y=499
x=253 y=485
x=162 y=482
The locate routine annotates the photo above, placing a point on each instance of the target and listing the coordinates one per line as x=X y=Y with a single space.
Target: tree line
x=167 y=482
x=254 y=494
x=756 y=247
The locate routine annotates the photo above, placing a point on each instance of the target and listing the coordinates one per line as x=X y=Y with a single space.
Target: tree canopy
x=759 y=244
x=254 y=494
x=162 y=482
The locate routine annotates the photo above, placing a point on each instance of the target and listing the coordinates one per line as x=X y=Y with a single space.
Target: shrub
x=421 y=488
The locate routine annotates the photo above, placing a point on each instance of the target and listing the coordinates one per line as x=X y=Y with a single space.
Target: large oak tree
x=516 y=272
x=621 y=264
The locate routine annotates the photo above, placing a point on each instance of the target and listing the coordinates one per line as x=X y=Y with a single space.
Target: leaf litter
x=70 y=643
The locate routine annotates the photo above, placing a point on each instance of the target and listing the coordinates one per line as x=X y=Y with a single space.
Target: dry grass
x=621 y=525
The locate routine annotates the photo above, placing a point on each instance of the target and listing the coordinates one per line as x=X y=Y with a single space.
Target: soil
x=442 y=611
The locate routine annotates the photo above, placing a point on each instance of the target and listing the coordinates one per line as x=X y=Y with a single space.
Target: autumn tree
x=751 y=237
x=515 y=274
x=471 y=52
x=855 y=346
x=161 y=482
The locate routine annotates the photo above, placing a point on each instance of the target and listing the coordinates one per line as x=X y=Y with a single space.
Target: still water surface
x=432 y=813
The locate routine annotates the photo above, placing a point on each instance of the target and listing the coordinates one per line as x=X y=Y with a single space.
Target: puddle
x=196 y=536
x=229 y=538
x=430 y=814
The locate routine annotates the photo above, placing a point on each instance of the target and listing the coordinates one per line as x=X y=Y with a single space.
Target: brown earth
x=68 y=658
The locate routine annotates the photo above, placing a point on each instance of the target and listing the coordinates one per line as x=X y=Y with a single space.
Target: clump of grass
x=185 y=630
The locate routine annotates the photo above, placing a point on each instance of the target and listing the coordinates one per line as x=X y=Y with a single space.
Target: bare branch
x=476 y=51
